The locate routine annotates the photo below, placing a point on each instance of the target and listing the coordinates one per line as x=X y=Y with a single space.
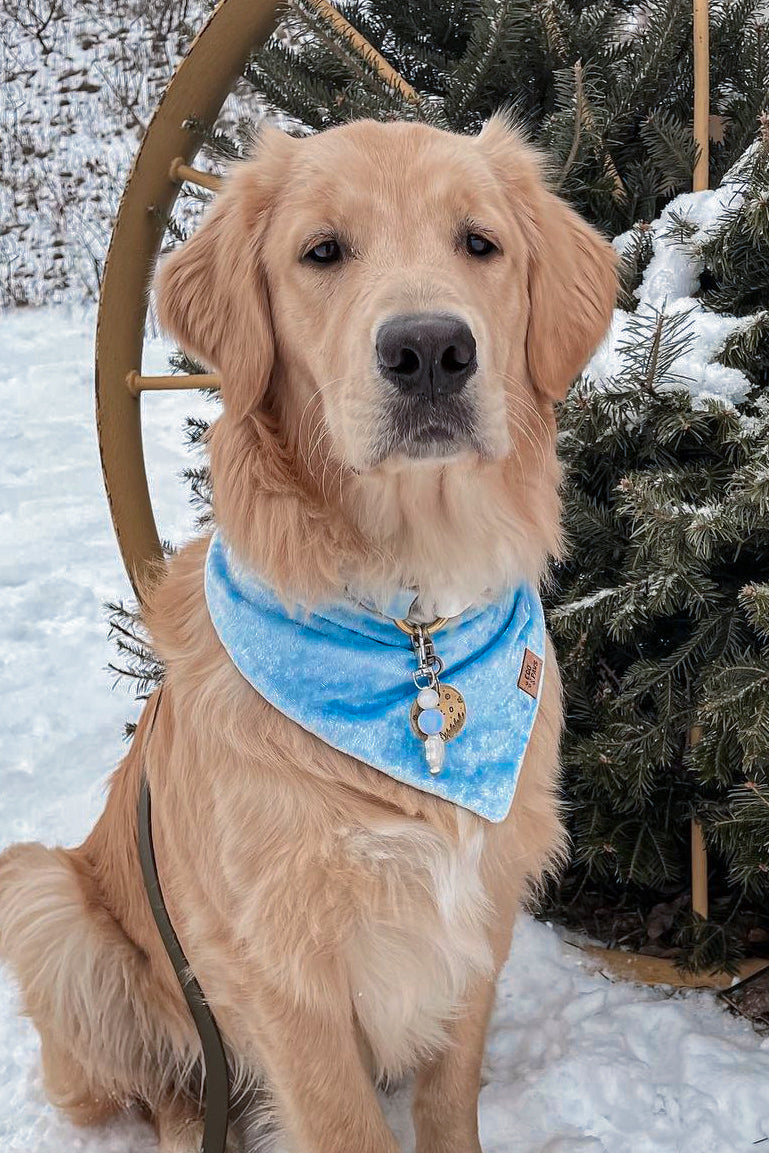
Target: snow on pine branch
x=668 y=287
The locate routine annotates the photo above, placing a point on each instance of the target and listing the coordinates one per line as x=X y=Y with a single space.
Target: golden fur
x=343 y=926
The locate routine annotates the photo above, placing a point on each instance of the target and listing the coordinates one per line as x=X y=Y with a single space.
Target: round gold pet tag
x=450 y=704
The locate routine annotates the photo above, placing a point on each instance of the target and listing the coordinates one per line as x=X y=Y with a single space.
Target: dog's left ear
x=212 y=292
x=572 y=293
x=572 y=275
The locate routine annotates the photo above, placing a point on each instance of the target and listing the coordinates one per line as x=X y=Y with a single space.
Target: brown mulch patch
x=627 y=922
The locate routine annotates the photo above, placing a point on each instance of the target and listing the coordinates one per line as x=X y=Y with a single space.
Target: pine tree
x=606 y=87
x=661 y=613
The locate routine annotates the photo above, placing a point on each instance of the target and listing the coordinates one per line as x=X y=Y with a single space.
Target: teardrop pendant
x=435 y=753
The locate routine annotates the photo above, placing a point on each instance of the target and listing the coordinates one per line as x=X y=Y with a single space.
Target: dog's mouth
x=422 y=429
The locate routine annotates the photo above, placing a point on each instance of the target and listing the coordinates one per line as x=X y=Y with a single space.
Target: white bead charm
x=427 y=699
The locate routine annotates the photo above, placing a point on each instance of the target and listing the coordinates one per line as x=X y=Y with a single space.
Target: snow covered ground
x=75 y=99
x=575 y=1064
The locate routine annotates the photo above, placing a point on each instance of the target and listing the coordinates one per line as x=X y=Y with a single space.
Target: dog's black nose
x=427 y=353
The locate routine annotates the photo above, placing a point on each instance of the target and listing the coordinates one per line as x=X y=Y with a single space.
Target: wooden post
x=700 y=181
x=699 y=872
x=701 y=94
x=699 y=852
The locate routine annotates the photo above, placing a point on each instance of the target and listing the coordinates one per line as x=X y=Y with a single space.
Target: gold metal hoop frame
x=198 y=89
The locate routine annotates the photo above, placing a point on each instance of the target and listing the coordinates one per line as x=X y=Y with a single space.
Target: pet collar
x=348 y=674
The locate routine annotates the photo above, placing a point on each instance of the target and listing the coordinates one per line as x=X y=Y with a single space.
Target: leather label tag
x=531 y=671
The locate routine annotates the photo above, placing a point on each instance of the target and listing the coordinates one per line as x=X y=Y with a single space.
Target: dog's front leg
x=323 y=1093
x=447 y=1087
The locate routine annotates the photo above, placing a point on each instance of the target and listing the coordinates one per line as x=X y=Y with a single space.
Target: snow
x=575 y=1063
x=74 y=102
x=670 y=280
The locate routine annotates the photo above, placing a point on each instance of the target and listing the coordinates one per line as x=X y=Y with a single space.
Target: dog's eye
x=326 y=252
x=478 y=245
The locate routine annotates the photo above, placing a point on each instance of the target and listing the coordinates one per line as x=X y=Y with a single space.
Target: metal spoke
x=136 y=383
x=180 y=172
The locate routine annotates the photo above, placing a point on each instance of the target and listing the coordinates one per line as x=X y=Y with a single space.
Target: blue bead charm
x=430 y=721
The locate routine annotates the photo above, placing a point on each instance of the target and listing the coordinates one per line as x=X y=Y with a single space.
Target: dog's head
x=398 y=298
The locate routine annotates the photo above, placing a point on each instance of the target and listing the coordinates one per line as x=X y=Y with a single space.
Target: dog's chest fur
x=420 y=937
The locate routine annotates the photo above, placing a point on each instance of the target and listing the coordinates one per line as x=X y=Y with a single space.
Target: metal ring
x=410 y=627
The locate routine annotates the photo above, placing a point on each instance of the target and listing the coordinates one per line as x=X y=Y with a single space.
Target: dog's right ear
x=212 y=292
x=572 y=275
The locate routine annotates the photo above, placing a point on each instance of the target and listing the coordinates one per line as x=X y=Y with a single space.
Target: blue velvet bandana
x=345 y=673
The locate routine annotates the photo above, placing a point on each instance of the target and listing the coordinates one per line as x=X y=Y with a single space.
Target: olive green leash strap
x=216 y=1073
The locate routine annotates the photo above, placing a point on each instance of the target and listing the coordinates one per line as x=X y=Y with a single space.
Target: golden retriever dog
x=346 y=929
